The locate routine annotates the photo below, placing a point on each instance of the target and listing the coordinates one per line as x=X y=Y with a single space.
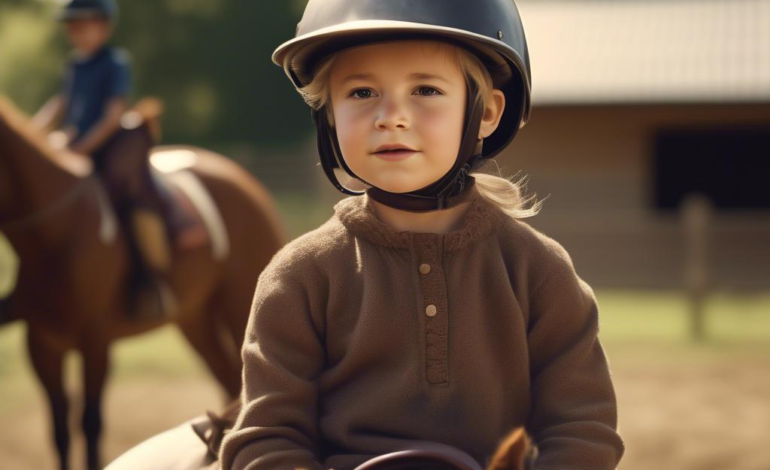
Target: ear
x=492 y=114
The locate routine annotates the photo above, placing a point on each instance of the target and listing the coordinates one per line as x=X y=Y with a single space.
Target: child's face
x=89 y=34
x=410 y=94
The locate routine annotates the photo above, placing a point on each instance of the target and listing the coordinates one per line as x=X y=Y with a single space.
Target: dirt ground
x=712 y=415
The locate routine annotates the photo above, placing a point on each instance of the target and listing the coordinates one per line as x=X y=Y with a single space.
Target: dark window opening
x=731 y=166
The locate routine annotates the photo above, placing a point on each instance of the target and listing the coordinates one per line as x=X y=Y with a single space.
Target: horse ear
x=512 y=452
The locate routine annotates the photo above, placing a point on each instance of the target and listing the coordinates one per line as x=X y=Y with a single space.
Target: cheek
x=73 y=36
x=351 y=127
x=441 y=132
x=94 y=36
x=351 y=137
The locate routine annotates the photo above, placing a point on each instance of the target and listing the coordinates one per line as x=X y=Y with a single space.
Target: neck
x=86 y=54
x=443 y=221
x=37 y=180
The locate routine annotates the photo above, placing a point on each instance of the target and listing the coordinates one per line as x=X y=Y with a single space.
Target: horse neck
x=35 y=178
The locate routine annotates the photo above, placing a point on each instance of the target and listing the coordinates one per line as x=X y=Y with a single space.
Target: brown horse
x=71 y=288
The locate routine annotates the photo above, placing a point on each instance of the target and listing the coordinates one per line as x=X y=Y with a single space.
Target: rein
x=50 y=210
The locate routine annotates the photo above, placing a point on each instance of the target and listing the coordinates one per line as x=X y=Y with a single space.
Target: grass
x=653 y=328
x=303 y=212
x=162 y=354
x=663 y=316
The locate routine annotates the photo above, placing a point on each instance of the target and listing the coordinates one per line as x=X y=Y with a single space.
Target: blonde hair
x=507 y=193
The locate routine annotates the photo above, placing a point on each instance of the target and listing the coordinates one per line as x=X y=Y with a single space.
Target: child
x=424 y=313
x=424 y=309
x=97 y=82
x=93 y=99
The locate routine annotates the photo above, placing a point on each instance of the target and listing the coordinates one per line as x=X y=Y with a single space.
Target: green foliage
x=31 y=52
x=209 y=60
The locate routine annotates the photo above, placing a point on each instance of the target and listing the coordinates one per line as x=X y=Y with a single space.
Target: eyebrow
x=357 y=76
x=416 y=76
x=428 y=76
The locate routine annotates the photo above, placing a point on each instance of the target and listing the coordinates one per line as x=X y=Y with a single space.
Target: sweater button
x=431 y=310
x=424 y=268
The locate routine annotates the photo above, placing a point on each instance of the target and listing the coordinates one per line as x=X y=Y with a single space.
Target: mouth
x=394 y=152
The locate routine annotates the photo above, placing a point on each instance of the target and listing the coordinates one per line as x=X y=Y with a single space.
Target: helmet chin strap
x=448 y=191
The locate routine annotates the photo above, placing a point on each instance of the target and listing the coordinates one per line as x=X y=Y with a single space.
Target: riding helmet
x=80 y=9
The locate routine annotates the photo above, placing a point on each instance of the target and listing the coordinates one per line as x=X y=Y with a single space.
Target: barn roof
x=648 y=51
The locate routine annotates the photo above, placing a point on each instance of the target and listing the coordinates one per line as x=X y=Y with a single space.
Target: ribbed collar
x=358 y=215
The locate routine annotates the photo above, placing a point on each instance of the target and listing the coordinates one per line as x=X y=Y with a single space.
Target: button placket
x=435 y=306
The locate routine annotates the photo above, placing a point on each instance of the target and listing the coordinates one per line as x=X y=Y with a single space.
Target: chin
x=398 y=185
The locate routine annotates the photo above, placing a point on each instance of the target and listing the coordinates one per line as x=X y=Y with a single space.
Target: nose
x=392 y=115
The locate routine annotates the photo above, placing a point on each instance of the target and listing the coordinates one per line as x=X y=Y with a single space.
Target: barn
x=650 y=135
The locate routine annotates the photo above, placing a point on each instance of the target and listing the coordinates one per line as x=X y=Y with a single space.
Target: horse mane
x=13 y=119
x=18 y=130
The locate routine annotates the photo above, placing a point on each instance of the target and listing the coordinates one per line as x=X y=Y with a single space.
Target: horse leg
x=48 y=363
x=204 y=335
x=95 y=369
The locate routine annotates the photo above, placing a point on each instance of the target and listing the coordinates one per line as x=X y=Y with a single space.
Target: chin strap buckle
x=456 y=188
x=441 y=201
x=461 y=177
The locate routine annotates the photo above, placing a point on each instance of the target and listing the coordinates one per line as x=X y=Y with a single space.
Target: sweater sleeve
x=573 y=417
x=283 y=355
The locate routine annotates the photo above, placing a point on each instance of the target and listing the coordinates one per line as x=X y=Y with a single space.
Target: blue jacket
x=89 y=85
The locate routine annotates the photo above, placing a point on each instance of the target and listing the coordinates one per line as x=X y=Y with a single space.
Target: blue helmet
x=78 y=9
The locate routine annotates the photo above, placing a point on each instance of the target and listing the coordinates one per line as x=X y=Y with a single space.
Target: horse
x=71 y=287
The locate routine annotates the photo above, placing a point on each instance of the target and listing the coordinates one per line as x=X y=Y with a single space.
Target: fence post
x=696 y=215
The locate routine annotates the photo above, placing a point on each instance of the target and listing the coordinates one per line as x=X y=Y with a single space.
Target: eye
x=362 y=93
x=428 y=91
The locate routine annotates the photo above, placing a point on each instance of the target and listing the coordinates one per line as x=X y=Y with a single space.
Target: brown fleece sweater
x=363 y=340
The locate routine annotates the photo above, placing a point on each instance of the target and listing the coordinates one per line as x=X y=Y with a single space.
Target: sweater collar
x=358 y=215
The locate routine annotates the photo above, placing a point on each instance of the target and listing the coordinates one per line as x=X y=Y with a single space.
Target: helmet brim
x=84 y=14
x=353 y=33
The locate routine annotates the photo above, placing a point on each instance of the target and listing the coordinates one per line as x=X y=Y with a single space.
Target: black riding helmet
x=79 y=9
x=490 y=29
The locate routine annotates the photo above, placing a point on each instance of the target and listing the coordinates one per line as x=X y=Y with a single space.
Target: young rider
x=425 y=309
